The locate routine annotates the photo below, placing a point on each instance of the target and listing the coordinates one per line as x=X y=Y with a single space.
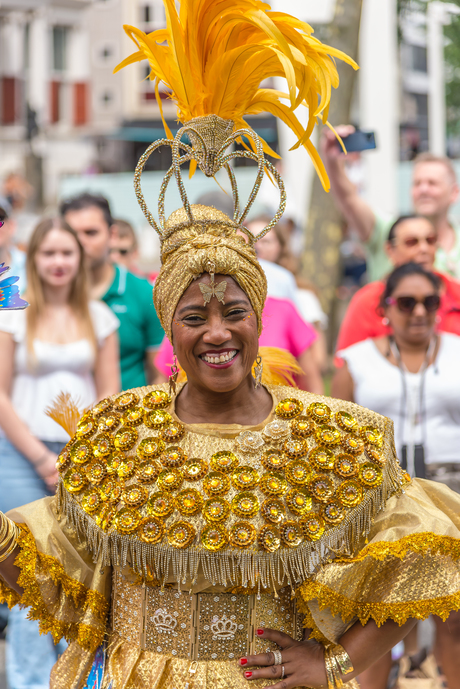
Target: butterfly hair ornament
x=9 y=291
x=212 y=58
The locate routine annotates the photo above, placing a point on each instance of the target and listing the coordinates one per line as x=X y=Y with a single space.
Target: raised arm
x=357 y=212
x=43 y=461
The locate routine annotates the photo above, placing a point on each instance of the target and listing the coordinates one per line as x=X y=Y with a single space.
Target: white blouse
x=378 y=386
x=55 y=368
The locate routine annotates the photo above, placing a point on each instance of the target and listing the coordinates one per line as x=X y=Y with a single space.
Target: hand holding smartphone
x=359 y=141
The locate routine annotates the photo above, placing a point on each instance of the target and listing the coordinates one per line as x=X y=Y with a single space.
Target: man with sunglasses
x=411 y=239
x=434 y=190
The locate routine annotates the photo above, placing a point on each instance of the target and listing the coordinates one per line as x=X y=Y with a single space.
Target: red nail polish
x=248 y=675
x=259 y=632
x=243 y=661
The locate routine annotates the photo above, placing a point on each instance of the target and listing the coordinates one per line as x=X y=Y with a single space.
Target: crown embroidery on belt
x=163 y=621
x=223 y=628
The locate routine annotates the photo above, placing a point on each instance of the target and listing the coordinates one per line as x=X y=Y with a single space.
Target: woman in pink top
x=284 y=328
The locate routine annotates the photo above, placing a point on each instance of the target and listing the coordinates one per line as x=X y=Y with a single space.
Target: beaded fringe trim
x=231 y=567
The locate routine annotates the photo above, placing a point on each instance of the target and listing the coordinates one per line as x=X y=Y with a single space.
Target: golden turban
x=211 y=242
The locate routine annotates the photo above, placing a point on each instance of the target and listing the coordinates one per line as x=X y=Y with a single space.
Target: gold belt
x=203 y=626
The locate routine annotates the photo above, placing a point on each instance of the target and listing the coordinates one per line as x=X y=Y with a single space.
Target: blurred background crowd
x=363 y=283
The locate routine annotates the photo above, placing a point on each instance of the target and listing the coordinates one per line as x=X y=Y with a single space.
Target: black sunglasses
x=408 y=304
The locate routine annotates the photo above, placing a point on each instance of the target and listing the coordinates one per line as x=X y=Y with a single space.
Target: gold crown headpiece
x=213 y=56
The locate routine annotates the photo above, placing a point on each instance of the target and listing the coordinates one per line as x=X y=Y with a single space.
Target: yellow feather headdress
x=213 y=56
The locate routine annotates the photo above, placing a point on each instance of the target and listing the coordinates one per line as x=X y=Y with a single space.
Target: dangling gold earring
x=173 y=377
x=258 y=370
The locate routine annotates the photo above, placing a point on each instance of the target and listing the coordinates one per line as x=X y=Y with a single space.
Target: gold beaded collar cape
x=254 y=508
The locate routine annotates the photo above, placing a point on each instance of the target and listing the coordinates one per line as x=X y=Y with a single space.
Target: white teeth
x=221 y=359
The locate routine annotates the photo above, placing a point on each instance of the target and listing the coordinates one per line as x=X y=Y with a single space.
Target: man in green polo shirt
x=129 y=296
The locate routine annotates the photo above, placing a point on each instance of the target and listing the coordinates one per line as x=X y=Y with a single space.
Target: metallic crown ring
x=277 y=657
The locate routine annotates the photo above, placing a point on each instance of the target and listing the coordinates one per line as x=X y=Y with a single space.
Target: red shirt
x=363 y=318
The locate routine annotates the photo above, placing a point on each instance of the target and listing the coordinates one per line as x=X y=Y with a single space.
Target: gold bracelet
x=8 y=537
x=342 y=658
x=334 y=681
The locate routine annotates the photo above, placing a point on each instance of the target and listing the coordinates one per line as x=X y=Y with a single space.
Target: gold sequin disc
x=106 y=488
x=273 y=511
x=96 y=470
x=321 y=488
x=173 y=432
x=370 y=475
x=189 y=502
x=298 y=472
x=216 y=510
x=157 y=399
x=296 y=447
x=151 y=530
x=245 y=505
x=319 y=412
x=113 y=462
x=351 y=443
x=148 y=471
x=86 y=426
x=224 y=461
x=125 y=439
x=372 y=437
x=313 y=527
x=346 y=466
x=127 y=468
x=91 y=501
x=349 y=494
x=195 y=469
x=81 y=452
x=161 y=505
x=245 y=478
x=321 y=459
x=75 y=480
x=273 y=484
x=150 y=448
x=133 y=417
x=127 y=520
x=299 y=501
x=274 y=459
x=170 y=479
x=105 y=516
x=289 y=408
x=302 y=427
x=269 y=538
x=375 y=456
x=108 y=422
x=157 y=419
x=345 y=421
x=181 y=535
x=102 y=407
x=216 y=483
x=333 y=512
x=125 y=401
x=242 y=535
x=63 y=460
x=291 y=534
x=328 y=435
x=102 y=445
x=214 y=537
x=135 y=496
x=173 y=457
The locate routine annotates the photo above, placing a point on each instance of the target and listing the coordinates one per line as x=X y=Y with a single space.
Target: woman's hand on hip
x=303 y=662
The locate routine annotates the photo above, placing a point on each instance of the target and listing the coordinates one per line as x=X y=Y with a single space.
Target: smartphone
x=359 y=141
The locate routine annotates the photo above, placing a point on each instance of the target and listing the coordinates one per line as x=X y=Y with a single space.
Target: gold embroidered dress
x=175 y=542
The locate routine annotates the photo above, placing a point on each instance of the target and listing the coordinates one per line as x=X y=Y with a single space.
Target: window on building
x=146 y=12
x=106 y=52
x=106 y=98
x=60 y=48
x=418 y=58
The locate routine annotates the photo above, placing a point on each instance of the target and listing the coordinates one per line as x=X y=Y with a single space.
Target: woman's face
x=216 y=344
x=416 y=327
x=57 y=259
x=268 y=247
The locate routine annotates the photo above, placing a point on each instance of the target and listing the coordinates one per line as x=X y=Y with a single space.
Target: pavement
x=2 y=665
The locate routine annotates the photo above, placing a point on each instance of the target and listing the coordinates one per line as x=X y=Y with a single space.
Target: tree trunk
x=321 y=259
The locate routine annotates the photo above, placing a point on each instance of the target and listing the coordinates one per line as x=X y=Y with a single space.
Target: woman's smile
x=222 y=358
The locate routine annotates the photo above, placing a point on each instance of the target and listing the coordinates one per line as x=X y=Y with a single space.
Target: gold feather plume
x=279 y=367
x=213 y=56
x=66 y=412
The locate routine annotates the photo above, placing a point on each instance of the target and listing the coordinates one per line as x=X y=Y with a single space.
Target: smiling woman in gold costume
x=230 y=529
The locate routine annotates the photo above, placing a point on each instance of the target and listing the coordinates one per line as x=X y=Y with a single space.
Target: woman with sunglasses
x=413 y=377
